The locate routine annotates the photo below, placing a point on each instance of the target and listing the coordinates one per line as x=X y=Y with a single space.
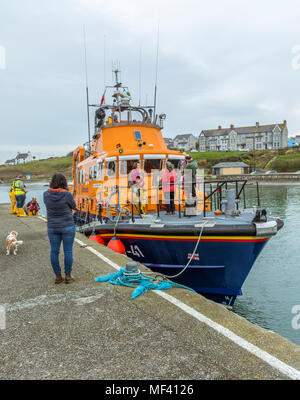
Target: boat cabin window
x=111 y=169
x=126 y=166
x=91 y=173
x=81 y=176
x=95 y=171
x=100 y=170
x=153 y=164
x=176 y=161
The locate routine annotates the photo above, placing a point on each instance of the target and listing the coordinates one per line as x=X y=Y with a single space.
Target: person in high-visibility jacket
x=20 y=194
x=13 y=202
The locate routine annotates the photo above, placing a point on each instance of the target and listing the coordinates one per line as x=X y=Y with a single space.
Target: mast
x=87 y=90
x=156 y=68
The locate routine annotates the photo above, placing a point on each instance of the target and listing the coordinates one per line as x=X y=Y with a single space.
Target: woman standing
x=60 y=223
x=168 y=180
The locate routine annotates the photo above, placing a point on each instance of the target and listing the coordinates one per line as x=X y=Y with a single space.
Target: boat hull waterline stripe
x=284 y=368
x=188 y=238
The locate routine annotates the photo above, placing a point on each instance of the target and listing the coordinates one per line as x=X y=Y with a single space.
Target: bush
x=281 y=164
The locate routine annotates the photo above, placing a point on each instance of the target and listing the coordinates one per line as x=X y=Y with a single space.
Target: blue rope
x=140 y=281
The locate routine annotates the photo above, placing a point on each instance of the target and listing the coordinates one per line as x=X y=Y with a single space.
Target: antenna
x=104 y=60
x=87 y=88
x=156 y=68
x=140 y=74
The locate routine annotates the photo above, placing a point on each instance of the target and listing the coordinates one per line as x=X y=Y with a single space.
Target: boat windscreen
x=152 y=164
x=176 y=163
x=111 y=169
x=126 y=166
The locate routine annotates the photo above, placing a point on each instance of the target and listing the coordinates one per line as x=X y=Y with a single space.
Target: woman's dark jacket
x=59 y=203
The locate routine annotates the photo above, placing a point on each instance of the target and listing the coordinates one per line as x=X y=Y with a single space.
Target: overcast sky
x=220 y=63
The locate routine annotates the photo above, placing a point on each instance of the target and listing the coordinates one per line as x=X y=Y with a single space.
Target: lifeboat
x=208 y=242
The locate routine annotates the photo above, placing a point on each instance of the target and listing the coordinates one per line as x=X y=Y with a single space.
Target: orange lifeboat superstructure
x=101 y=168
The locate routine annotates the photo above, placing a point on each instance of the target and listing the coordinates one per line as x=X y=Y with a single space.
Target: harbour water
x=272 y=288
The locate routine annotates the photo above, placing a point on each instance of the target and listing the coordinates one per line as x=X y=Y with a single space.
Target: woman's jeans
x=56 y=236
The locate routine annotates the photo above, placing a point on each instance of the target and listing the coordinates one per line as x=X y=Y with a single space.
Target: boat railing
x=212 y=193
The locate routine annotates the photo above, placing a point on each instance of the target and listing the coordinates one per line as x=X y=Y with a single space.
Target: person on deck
x=136 y=182
x=190 y=179
x=168 y=180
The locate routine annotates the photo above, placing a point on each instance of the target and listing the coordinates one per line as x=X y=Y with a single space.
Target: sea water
x=272 y=289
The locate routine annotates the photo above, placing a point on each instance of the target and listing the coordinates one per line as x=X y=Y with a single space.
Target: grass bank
x=282 y=160
x=40 y=169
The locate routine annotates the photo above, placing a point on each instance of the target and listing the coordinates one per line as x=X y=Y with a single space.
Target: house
x=169 y=142
x=256 y=137
x=185 y=142
x=292 y=142
x=23 y=157
x=297 y=140
x=230 y=168
x=10 y=162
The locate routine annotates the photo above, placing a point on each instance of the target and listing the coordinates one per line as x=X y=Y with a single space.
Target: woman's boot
x=69 y=278
x=58 y=279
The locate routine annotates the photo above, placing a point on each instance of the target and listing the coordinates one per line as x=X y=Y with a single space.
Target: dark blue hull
x=217 y=271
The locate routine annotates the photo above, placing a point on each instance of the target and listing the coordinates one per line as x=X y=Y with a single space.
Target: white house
x=258 y=137
x=185 y=142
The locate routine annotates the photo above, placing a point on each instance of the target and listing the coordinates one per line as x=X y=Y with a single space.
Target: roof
x=168 y=140
x=182 y=137
x=242 y=129
x=21 y=155
x=230 y=164
x=9 y=161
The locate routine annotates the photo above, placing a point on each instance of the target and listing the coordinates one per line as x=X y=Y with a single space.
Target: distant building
x=230 y=168
x=169 y=142
x=292 y=142
x=185 y=142
x=10 y=162
x=258 y=137
x=297 y=139
x=23 y=157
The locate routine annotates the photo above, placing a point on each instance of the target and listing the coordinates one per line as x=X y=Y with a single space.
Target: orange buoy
x=116 y=245
x=218 y=212
x=97 y=239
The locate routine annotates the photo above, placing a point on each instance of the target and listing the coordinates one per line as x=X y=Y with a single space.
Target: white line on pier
x=263 y=355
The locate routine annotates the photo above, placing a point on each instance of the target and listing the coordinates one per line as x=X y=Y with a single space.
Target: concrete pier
x=90 y=330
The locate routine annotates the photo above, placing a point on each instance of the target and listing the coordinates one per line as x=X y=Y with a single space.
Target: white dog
x=12 y=242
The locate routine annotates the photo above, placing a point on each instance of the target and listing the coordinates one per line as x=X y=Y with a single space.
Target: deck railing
x=212 y=191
